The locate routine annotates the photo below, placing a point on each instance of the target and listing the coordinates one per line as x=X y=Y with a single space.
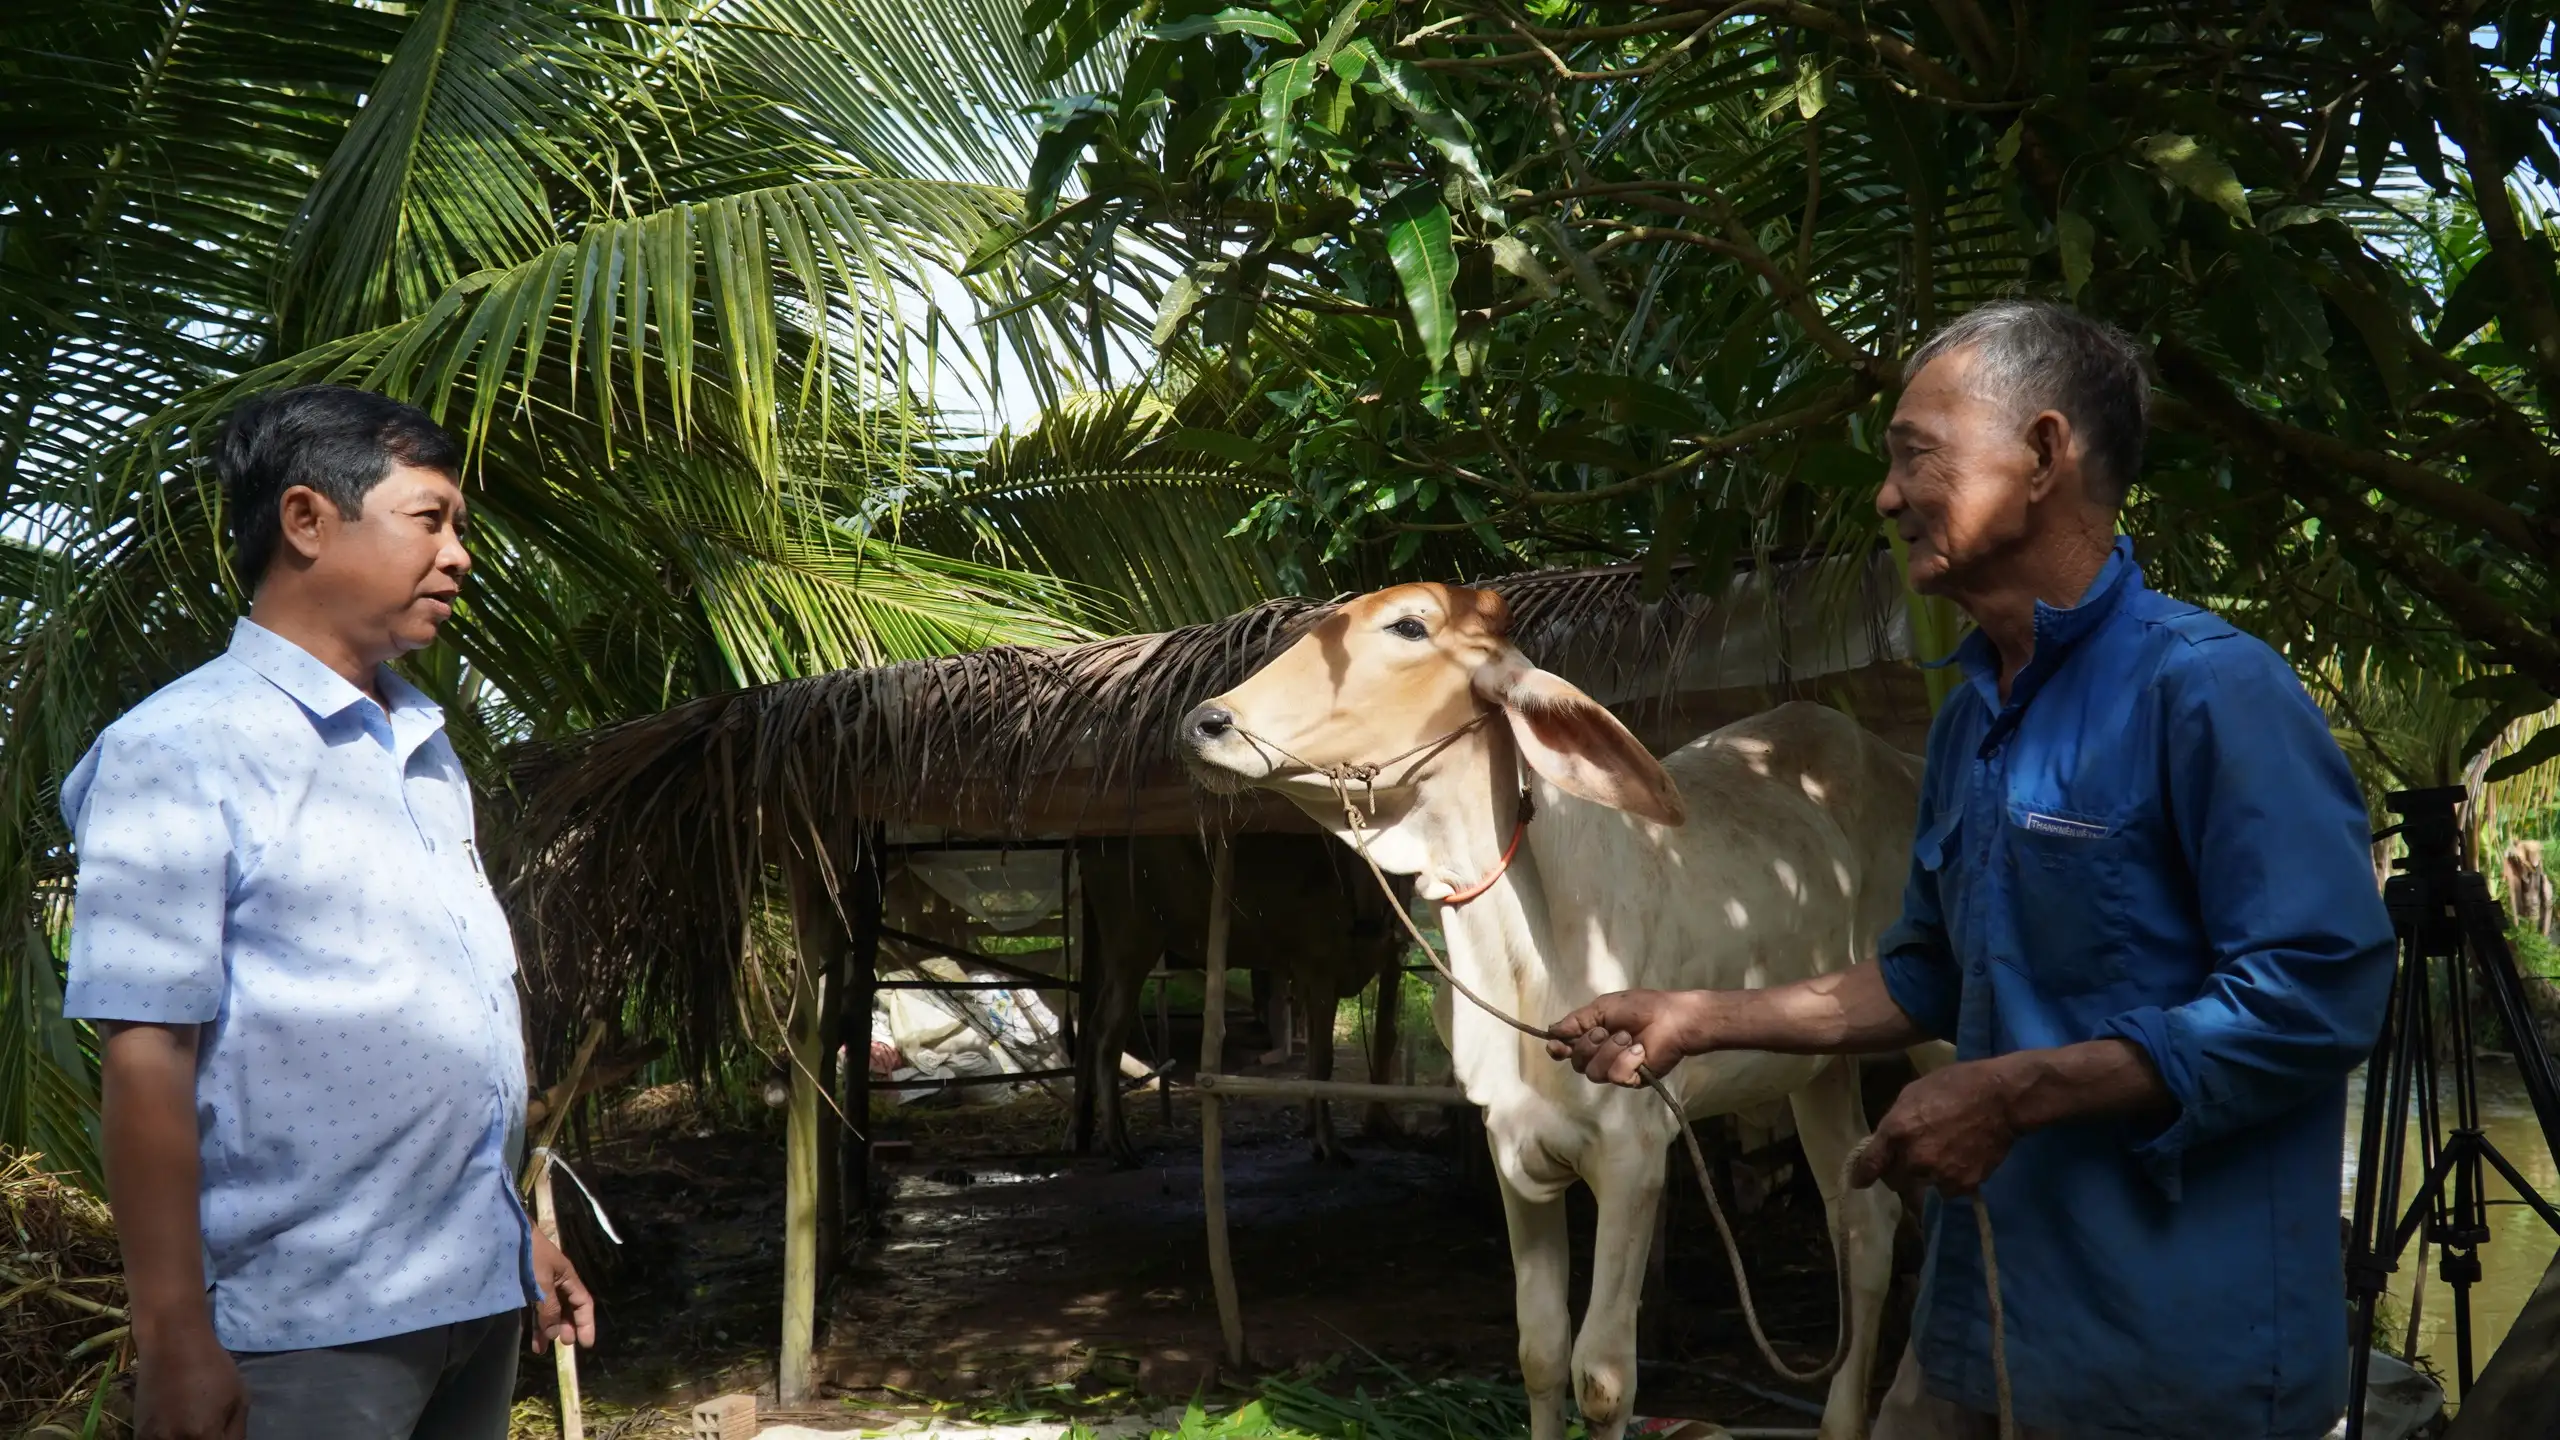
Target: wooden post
x=862 y=976
x=820 y=939
x=1164 y=1039
x=1213 y=1036
x=564 y=1356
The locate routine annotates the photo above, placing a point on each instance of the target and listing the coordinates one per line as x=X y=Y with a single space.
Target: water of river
x=2520 y=1246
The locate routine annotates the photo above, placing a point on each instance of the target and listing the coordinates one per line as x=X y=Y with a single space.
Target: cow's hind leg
x=1317 y=990
x=1830 y=1122
x=1626 y=1184
x=1379 y=1121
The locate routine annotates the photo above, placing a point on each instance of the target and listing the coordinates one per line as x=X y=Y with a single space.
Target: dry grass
x=63 y=1337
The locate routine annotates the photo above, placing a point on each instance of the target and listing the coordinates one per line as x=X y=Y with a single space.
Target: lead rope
x=1341 y=777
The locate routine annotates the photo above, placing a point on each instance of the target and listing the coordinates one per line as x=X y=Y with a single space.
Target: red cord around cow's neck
x=1518 y=829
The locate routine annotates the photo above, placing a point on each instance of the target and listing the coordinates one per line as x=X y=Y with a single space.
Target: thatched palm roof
x=638 y=848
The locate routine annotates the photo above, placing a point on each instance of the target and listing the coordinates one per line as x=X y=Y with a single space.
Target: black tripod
x=2429 y=1060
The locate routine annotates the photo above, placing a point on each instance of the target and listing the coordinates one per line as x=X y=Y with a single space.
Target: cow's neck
x=1498 y=944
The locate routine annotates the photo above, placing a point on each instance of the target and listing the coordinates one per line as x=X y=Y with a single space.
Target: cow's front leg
x=1626 y=1184
x=1541 y=1267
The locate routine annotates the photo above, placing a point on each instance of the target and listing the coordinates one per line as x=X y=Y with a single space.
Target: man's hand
x=574 y=1321
x=1948 y=1131
x=1615 y=1038
x=1952 y=1128
x=186 y=1388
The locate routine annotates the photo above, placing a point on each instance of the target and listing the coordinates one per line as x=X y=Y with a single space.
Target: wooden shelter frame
x=691 y=808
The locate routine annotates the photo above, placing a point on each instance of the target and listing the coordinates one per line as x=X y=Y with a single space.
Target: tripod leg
x=2462 y=1318
x=2370 y=1251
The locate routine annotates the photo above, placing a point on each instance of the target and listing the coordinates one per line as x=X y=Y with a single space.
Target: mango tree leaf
x=1072 y=125
x=1409 y=89
x=1340 y=30
x=1289 y=82
x=2288 y=306
x=2186 y=160
x=1181 y=298
x=2511 y=697
x=2385 y=335
x=2535 y=753
x=1239 y=450
x=1234 y=21
x=1627 y=400
x=2075 y=236
x=1076 y=28
x=1417 y=228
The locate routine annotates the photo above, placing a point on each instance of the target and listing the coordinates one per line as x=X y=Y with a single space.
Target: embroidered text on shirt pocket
x=2068 y=871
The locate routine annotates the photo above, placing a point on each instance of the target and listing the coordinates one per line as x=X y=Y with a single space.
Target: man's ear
x=302 y=514
x=1575 y=742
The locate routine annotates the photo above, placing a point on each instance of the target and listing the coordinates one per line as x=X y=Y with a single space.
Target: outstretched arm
x=1847 y=1012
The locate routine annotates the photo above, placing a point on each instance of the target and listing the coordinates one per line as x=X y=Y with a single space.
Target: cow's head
x=1387 y=677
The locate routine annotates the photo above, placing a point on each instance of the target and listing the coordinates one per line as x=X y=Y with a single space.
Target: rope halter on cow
x=1344 y=776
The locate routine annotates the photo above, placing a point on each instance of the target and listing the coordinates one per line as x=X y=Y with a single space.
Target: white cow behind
x=1771 y=850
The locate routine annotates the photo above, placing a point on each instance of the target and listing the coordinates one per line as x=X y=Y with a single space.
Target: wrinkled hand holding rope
x=1342 y=778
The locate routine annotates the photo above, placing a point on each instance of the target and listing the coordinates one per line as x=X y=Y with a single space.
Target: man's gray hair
x=2037 y=355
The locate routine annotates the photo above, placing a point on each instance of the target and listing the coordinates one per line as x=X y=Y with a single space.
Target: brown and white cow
x=1771 y=850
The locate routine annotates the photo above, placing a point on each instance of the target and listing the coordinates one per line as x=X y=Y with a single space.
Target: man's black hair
x=336 y=439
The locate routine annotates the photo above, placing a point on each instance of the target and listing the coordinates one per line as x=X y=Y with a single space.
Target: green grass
x=1314 y=1403
x=2534 y=954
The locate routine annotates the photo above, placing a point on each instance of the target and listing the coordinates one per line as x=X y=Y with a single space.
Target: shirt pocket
x=2066 y=876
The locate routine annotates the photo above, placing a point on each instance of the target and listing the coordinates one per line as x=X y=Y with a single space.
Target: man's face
x=1962 y=475
x=394 y=570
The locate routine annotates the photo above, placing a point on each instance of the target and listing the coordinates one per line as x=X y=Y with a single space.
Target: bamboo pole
x=564 y=1355
x=1213 y=1037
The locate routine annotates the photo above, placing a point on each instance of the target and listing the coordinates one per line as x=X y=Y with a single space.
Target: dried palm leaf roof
x=638 y=849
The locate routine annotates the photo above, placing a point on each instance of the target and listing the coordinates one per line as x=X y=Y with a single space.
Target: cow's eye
x=1409 y=628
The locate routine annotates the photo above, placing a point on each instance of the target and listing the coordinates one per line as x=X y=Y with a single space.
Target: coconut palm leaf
x=157 y=152
x=1116 y=494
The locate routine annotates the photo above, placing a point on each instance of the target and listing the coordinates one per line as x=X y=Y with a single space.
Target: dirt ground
x=1001 y=1274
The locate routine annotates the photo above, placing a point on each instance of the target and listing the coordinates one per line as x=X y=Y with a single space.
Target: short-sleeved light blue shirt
x=270 y=854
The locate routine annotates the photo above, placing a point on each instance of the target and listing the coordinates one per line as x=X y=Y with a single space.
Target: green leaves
x=2539 y=751
x=1229 y=22
x=1416 y=225
x=1288 y=83
x=2188 y=162
x=1409 y=89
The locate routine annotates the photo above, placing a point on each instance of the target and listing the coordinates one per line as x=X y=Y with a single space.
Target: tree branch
x=2439 y=495
x=2205 y=404
x=2525 y=304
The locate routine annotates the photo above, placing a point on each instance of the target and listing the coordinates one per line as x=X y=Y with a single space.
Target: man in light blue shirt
x=314 y=1072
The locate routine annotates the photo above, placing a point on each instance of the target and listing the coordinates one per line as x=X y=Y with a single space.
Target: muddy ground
x=998 y=1272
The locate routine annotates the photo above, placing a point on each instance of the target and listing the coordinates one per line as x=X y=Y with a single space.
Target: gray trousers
x=450 y=1382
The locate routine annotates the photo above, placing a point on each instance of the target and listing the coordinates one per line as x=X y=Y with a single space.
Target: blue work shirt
x=269 y=854
x=2154 y=838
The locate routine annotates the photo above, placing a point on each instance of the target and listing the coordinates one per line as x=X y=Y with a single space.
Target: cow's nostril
x=1211 y=722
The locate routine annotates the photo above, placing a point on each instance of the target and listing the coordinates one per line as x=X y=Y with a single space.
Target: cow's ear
x=1575 y=742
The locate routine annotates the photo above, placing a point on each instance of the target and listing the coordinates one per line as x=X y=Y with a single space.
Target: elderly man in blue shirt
x=314 y=1073
x=2142 y=906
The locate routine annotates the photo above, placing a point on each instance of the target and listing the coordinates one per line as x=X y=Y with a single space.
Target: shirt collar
x=2058 y=628
x=323 y=691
